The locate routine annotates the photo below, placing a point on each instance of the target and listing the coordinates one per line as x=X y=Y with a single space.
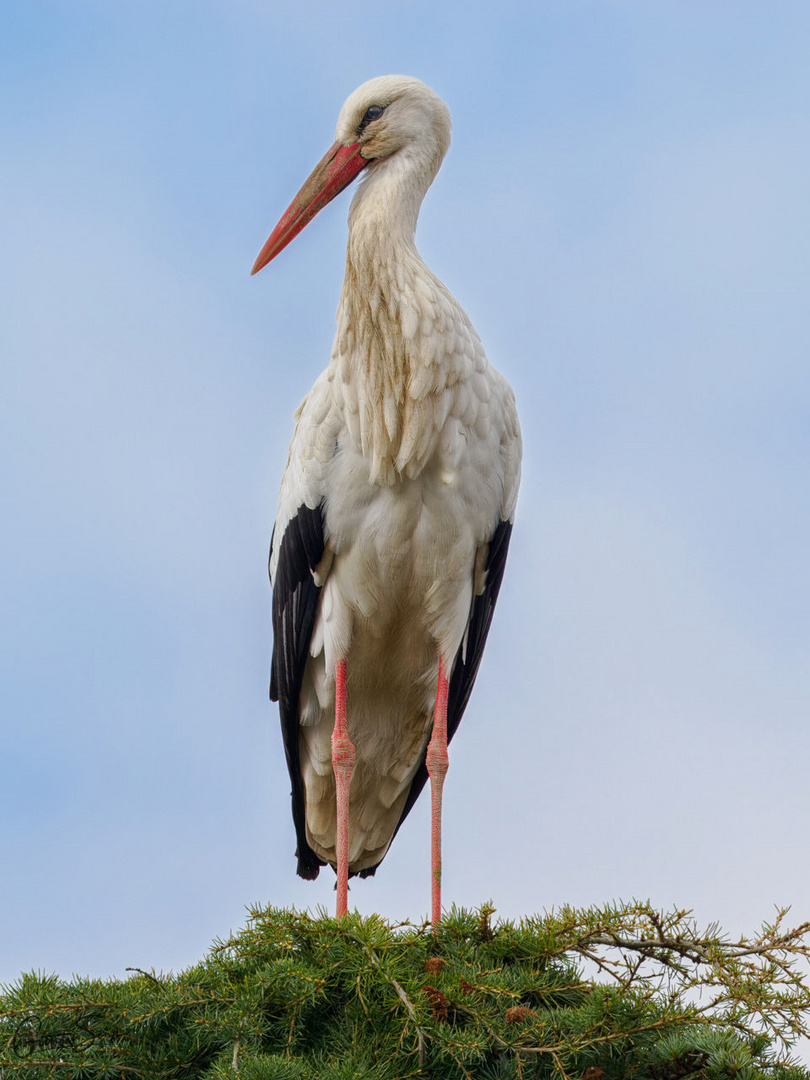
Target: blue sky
x=624 y=215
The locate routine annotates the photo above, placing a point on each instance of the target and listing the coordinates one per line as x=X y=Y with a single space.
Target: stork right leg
x=436 y=760
x=343 y=758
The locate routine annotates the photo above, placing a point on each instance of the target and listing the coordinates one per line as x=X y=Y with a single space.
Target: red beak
x=331 y=175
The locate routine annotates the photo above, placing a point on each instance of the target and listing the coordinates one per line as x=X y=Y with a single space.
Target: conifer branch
x=298 y=997
x=420 y=1035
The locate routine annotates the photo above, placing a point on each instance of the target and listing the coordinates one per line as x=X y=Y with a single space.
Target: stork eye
x=373 y=112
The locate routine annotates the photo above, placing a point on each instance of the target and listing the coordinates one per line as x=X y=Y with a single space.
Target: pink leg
x=343 y=758
x=437 y=770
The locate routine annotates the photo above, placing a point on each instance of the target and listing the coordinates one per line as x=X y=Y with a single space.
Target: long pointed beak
x=331 y=175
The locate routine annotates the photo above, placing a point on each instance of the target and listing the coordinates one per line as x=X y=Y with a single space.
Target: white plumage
x=406 y=456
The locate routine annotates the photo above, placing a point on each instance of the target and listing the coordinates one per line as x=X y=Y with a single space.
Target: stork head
x=395 y=114
x=393 y=117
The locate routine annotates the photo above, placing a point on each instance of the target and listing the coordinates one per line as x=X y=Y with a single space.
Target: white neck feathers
x=403 y=342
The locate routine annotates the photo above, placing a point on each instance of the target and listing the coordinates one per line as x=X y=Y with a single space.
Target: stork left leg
x=437 y=762
x=343 y=758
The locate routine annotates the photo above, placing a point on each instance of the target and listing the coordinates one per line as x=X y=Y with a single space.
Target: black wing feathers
x=295 y=599
x=465 y=668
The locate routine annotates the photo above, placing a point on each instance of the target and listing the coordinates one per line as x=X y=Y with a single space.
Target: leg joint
x=343 y=752
x=436 y=759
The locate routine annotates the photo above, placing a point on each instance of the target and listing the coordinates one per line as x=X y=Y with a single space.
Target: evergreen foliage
x=297 y=997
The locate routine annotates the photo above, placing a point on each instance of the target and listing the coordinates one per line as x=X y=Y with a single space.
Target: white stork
x=396 y=506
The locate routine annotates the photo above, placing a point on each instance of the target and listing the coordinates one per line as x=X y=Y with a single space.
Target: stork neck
x=381 y=303
x=384 y=211
x=389 y=349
